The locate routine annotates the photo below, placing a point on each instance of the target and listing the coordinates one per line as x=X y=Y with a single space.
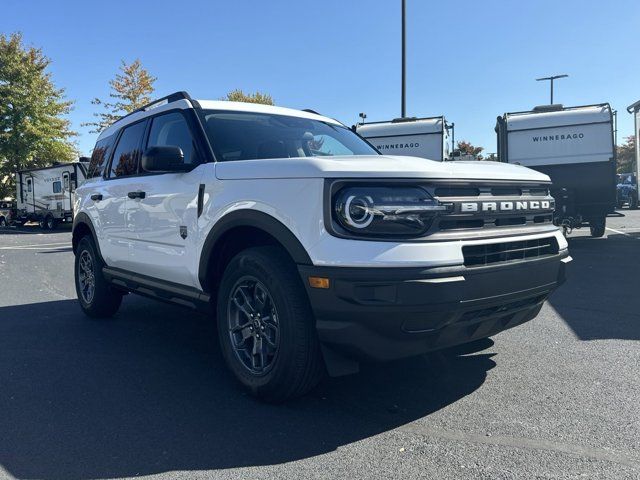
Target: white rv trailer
x=45 y=194
x=575 y=147
x=416 y=137
x=634 y=109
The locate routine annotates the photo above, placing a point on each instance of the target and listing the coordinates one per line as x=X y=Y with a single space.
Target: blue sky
x=468 y=60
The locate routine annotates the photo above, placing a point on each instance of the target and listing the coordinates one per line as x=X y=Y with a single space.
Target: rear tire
x=51 y=223
x=597 y=227
x=97 y=298
x=3 y=222
x=266 y=327
x=633 y=203
x=42 y=223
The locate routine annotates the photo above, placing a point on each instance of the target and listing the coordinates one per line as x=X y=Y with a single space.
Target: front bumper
x=388 y=313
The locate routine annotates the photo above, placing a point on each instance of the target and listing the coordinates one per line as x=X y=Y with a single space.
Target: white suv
x=314 y=250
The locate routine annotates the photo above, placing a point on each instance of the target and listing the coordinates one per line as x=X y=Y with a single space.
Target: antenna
x=551 y=79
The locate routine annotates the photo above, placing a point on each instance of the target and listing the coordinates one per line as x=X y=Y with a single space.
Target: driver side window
x=171 y=129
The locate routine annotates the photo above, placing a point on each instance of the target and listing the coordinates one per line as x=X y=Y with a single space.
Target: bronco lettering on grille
x=507 y=206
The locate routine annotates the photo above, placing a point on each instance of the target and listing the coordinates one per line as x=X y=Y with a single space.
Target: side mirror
x=164 y=159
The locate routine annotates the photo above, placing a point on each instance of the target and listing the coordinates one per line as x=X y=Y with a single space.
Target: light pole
x=403 y=108
x=551 y=79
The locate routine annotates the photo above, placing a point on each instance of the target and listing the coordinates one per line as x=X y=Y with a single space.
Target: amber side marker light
x=318 y=282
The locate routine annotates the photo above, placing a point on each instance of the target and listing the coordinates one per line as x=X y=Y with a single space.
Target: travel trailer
x=416 y=137
x=45 y=194
x=575 y=147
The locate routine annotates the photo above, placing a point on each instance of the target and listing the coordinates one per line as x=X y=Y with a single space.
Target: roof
x=634 y=107
x=186 y=103
x=557 y=118
x=420 y=126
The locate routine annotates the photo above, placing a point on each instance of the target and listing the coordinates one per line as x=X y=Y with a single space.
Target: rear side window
x=100 y=156
x=127 y=152
x=172 y=129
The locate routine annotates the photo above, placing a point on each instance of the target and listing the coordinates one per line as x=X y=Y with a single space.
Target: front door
x=28 y=188
x=66 y=191
x=162 y=219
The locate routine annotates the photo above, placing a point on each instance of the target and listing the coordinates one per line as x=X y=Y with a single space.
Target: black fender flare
x=256 y=219
x=84 y=219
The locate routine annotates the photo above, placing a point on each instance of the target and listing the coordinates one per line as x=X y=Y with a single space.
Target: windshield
x=249 y=136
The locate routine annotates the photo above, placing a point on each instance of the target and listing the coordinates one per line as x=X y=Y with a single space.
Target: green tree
x=33 y=129
x=131 y=89
x=466 y=148
x=626 y=154
x=258 y=97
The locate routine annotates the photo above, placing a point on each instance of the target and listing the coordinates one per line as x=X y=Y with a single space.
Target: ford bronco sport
x=314 y=250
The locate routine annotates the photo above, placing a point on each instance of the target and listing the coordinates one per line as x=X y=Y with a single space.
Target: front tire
x=97 y=298
x=3 y=222
x=633 y=203
x=265 y=325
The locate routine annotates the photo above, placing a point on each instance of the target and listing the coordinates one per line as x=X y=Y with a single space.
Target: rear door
x=110 y=206
x=162 y=220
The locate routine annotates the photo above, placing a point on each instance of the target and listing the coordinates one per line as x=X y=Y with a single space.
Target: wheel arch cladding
x=265 y=230
x=82 y=227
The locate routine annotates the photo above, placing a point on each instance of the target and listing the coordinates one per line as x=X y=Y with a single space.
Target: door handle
x=136 y=194
x=96 y=197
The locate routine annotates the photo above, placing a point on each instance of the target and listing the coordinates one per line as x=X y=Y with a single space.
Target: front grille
x=492 y=253
x=491 y=207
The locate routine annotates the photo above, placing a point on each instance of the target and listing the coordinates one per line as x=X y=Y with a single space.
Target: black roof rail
x=172 y=97
x=308 y=110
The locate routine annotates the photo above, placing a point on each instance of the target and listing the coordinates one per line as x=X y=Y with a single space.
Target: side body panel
x=421 y=138
x=163 y=226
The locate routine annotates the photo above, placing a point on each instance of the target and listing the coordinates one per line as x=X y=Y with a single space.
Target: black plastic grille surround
x=504 y=252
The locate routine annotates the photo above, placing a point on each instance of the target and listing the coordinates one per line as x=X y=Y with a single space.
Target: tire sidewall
x=85 y=245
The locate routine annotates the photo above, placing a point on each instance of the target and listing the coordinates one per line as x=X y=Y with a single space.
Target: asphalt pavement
x=146 y=393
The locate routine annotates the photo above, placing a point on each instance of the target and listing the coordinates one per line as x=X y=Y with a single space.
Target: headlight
x=385 y=211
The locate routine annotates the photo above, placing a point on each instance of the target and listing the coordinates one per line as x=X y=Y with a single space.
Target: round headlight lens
x=358 y=211
x=385 y=211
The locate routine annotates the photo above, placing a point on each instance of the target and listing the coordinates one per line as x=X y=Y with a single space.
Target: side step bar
x=158 y=289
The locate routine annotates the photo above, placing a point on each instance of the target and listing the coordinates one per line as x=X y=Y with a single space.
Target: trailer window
x=57 y=187
x=29 y=185
x=100 y=156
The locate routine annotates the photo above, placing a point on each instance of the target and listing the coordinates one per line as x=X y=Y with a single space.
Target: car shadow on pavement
x=147 y=392
x=34 y=229
x=601 y=297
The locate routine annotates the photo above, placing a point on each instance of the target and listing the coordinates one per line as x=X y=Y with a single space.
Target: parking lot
x=146 y=393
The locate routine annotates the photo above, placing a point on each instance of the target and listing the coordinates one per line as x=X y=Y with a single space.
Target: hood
x=373 y=166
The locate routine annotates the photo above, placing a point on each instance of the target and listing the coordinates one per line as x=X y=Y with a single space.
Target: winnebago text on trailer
x=575 y=147
x=415 y=137
x=45 y=194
